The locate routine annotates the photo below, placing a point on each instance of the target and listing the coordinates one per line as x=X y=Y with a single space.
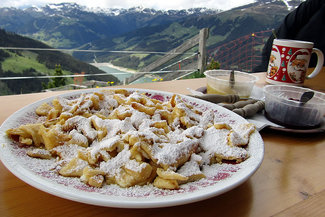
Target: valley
x=146 y=32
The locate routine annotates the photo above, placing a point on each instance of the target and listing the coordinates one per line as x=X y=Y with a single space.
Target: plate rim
x=199 y=195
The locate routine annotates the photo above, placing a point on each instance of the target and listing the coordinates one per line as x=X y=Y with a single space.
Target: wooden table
x=290 y=181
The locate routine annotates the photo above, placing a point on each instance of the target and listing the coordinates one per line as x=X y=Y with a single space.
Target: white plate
x=223 y=178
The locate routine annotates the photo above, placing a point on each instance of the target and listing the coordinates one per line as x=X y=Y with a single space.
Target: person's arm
x=290 y=27
x=298 y=18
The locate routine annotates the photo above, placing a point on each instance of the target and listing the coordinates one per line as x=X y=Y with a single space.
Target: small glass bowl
x=283 y=106
x=218 y=82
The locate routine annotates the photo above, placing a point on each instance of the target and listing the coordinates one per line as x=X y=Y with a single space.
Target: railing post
x=202 y=58
x=190 y=43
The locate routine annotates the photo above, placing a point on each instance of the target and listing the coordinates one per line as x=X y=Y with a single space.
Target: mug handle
x=320 y=62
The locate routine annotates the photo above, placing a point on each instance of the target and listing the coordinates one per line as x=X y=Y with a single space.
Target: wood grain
x=313 y=206
x=290 y=181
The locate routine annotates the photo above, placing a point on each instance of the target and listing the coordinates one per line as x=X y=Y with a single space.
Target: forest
x=29 y=63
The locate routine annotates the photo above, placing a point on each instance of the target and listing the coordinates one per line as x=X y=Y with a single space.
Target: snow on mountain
x=289 y=3
x=66 y=8
x=286 y=2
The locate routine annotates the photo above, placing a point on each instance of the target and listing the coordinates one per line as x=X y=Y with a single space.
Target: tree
x=213 y=65
x=57 y=81
x=4 y=89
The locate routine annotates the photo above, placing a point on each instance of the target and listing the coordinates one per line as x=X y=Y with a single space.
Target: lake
x=121 y=75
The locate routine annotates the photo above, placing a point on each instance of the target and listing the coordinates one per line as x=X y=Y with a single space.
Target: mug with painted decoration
x=289 y=60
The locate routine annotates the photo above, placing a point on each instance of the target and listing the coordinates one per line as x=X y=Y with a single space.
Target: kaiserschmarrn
x=127 y=138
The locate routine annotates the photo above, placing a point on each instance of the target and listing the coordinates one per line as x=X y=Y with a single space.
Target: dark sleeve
x=298 y=18
x=290 y=27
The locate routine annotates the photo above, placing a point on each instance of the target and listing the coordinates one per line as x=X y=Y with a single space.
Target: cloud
x=156 y=4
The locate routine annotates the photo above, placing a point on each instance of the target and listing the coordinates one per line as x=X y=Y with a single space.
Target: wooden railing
x=200 y=39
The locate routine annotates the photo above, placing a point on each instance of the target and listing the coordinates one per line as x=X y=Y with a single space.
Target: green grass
x=140 y=56
x=19 y=63
x=178 y=31
x=213 y=39
x=56 y=39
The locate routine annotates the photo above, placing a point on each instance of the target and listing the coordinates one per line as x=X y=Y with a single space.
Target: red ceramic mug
x=289 y=60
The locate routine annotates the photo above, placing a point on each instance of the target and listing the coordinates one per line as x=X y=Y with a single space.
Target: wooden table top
x=290 y=181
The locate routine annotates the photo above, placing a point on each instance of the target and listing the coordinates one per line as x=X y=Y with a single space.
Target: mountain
x=69 y=25
x=22 y=63
x=223 y=27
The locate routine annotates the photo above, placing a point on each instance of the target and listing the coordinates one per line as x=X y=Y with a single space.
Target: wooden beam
x=172 y=54
x=202 y=56
x=198 y=39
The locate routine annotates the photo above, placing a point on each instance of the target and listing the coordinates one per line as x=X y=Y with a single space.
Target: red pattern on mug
x=289 y=60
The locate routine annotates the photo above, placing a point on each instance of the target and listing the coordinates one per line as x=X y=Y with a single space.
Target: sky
x=156 y=4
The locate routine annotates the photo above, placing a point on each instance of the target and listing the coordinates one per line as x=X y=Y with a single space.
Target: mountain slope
x=69 y=25
x=224 y=27
x=23 y=63
x=138 y=29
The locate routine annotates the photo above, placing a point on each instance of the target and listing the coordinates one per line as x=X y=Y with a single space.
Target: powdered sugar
x=78 y=137
x=114 y=165
x=83 y=125
x=105 y=144
x=170 y=153
x=192 y=167
x=137 y=118
x=215 y=142
x=67 y=152
x=175 y=142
